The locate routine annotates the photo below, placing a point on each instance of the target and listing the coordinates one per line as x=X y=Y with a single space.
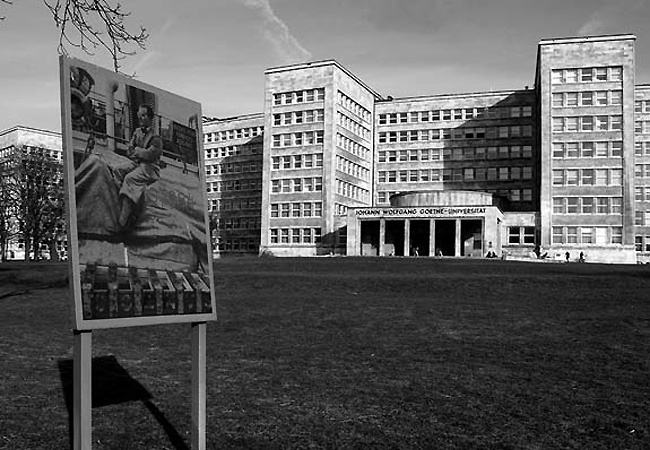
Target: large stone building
x=332 y=166
x=562 y=166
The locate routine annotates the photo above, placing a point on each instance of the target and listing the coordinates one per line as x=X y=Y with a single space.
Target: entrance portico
x=459 y=223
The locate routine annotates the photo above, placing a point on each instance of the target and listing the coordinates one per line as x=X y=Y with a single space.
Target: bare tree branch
x=88 y=24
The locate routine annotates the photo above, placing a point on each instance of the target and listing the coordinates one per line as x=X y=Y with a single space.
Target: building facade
x=330 y=166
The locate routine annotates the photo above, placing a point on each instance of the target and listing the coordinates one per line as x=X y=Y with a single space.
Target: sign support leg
x=82 y=390
x=198 y=385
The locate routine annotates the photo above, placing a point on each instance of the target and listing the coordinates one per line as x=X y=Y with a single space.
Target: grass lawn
x=350 y=353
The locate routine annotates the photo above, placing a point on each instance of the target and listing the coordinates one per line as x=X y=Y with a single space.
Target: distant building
x=563 y=166
x=330 y=166
x=27 y=140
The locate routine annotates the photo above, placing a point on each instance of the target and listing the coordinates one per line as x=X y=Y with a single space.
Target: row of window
x=351 y=146
x=286 y=185
x=297 y=209
x=299 y=117
x=521 y=235
x=353 y=106
x=588 y=149
x=227 y=135
x=237 y=167
x=252 y=184
x=588 y=177
x=353 y=126
x=514 y=195
x=503 y=132
x=234 y=204
x=296 y=139
x=588 y=235
x=233 y=150
x=294 y=235
x=587 y=123
x=494 y=112
x=642 y=194
x=642 y=148
x=587 y=98
x=302 y=161
x=238 y=244
x=639 y=245
x=456 y=153
x=351 y=168
x=642 y=171
x=349 y=190
x=642 y=126
x=238 y=223
x=586 y=75
x=642 y=106
x=515 y=173
x=302 y=96
x=587 y=205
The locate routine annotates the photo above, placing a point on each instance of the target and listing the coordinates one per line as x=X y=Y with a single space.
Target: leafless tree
x=8 y=227
x=38 y=195
x=89 y=24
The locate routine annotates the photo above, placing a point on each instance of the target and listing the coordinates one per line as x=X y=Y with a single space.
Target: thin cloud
x=275 y=31
x=149 y=56
x=609 y=18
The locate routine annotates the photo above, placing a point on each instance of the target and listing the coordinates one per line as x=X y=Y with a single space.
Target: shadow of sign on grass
x=112 y=385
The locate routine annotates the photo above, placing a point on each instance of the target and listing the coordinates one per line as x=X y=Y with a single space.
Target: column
x=432 y=237
x=382 y=237
x=407 y=237
x=457 y=239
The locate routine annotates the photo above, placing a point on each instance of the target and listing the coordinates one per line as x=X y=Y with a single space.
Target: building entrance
x=370 y=237
x=420 y=237
x=394 y=241
x=445 y=237
x=471 y=238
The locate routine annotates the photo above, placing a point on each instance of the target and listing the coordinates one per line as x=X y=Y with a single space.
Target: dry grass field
x=350 y=353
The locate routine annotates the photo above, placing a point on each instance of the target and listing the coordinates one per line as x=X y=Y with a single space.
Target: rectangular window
x=558 y=205
x=571 y=99
x=587 y=149
x=587 y=178
x=557 y=235
x=571 y=235
x=587 y=205
x=586 y=98
x=572 y=205
x=513 y=235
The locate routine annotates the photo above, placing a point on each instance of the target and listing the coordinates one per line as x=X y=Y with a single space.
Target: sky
x=216 y=51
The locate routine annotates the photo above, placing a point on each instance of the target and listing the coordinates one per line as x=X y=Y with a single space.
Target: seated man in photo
x=143 y=168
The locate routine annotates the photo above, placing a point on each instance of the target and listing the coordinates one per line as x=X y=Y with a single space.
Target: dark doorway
x=446 y=237
x=420 y=236
x=369 y=237
x=471 y=238
x=394 y=242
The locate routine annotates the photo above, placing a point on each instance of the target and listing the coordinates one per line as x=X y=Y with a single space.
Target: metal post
x=198 y=385
x=82 y=391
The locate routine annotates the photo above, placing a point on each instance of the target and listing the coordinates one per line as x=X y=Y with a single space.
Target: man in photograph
x=145 y=149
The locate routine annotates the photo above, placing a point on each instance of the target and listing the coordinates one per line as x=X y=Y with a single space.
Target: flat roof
x=530 y=91
x=323 y=63
x=217 y=120
x=30 y=130
x=582 y=39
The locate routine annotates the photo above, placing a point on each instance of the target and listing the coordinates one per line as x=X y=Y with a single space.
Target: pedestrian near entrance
x=567 y=255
